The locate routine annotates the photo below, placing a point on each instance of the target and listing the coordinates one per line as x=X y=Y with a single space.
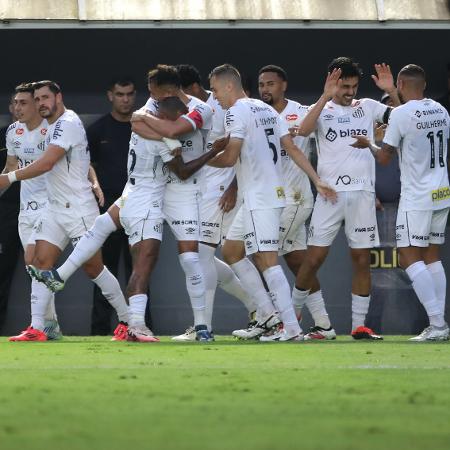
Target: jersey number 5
x=440 y=136
x=272 y=146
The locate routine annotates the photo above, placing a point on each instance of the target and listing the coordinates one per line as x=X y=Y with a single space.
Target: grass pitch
x=89 y=393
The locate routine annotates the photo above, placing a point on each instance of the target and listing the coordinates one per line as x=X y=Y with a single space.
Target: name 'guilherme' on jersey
x=420 y=131
x=344 y=167
x=258 y=168
x=67 y=183
x=28 y=146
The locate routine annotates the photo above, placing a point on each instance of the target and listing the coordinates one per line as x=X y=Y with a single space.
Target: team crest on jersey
x=358 y=113
x=20 y=131
x=331 y=135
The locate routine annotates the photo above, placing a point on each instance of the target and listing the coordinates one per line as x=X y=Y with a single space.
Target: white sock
x=50 y=313
x=136 y=310
x=230 y=283
x=299 y=298
x=279 y=287
x=40 y=298
x=195 y=285
x=423 y=286
x=437 y=273
x=206 y=258
x=316 y=307
x=110 y=288
x=252 y=284
x=360 y=308
x=88 y=245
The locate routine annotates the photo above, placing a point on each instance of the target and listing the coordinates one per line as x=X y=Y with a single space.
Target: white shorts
x=356 y=209
x=59 y=227
x=293 y=228
x=421 y=228
x=181 y=210
x=26 y=227
x=139 y=229
x=214 y=223
x=259 y=229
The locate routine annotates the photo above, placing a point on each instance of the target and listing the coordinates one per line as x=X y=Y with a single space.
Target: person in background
x=109 y=139
x=9 y=236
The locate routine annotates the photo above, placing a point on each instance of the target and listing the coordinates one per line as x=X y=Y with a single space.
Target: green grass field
x=89 y=393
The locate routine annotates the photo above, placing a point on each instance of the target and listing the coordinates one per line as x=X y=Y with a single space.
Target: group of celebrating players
x=224 y=169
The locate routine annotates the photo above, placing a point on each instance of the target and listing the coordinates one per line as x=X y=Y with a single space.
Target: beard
x=267 y=99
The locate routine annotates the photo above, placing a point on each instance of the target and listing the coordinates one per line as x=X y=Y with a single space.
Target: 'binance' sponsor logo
x=440 y=194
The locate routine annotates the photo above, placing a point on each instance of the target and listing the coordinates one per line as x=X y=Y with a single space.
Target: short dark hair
x=226 y=70
x=188 y=75
x=52 y=85
x=172 y=105
x=24 y=87
x=348 y=67
x=164 y=75
x=413 y=71
x=274 y=69
x=121 y=81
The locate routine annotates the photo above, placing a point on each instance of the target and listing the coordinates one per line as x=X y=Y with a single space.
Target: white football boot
x=257 y=329
x=432 y=333
x=188 y=336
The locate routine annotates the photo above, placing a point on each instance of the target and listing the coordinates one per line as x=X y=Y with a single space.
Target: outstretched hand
x=361 y=142
x=383 y=79
x=332 y=83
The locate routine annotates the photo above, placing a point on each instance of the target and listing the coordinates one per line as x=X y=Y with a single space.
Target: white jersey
x=420 y=130
x=297 y=185
x=194 y=142
x=67 y=183
x=343 y=167
x=215 y=180
x=147 y=177
x=258 y=168
x=28 y=146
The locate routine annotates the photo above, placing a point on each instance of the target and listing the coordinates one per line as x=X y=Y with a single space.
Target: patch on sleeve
x=196 y=117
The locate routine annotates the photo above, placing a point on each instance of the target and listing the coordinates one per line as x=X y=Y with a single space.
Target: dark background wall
x=84 y=60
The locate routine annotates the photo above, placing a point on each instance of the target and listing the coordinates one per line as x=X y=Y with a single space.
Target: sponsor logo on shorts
x=184 y=222
x=210 y=224
x=417 y=237
x=269 y=241
x=190 y=230
x=347 y=180
x=400 y=227
x=344 y=119
x=398 y=237
x=365 y=230
x=249 y=244
x=331 y=135
x=436 y=235
x=358 y=113
x=372 y=237
x=311 y=231
x=207 y=233
x=440 y=194
x=158 y=227
x=249 y=235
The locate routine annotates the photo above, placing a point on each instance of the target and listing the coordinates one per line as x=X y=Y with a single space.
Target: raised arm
x=309 y=123
x=385 y=81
